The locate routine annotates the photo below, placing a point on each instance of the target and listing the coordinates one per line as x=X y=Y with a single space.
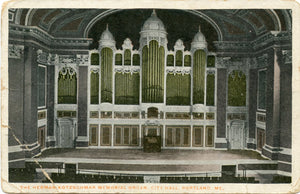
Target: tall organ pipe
x=153 y=73
x=106 y=75
x=199 y=76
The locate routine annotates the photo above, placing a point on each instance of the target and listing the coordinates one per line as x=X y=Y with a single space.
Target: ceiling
x=216 y=25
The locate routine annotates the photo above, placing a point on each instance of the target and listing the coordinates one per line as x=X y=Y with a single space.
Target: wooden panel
x=261 y=117
x=65 y=113
x=152 y=112
x=186 y=136
x=198 y=115
x=106 y=114
x=94 y=114
x=118 y=136
x=42 y=115
x=198 y=136
x=178 y=115
x=93 y=135
x=261 y=138
x=210 y=116
x=178 y=136
x=105 y=135
x=209 y=137
x=169 y=136
x=134 y=135
x=126 y=135
x=127 y=115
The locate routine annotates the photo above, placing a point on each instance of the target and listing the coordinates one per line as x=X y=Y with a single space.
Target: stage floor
x=135 y=161
x=138 y=154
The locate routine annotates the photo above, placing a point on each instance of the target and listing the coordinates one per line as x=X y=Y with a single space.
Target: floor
x=138 y=154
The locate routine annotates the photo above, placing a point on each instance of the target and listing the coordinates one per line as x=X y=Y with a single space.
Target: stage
x=168 y=162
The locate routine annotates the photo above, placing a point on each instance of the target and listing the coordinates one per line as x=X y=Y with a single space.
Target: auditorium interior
x=150 y=96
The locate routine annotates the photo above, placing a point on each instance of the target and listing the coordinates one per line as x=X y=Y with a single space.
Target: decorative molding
x=271 y=37
x=15 y=51
x=208 y=72
x=43 y=36
x=95 y=70
x=287 y=56
x=82 y=60
x=179 y=70
x=47 y=58
x=53 y=59
x=127 y=69
x=179 y=45
x=67 y=59
x=127 y=44
x=230 y=45
x=82 y=139
x=65 y=70
x=236 y=63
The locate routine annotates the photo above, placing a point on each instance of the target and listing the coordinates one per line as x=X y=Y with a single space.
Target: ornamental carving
x=53 y=59
x=47 y=58
x=82 y=59
x=179 y=45
x=66 y=70
x=95 y=70
x=231 y=63
x=127 y=44
x=179 y=70
x=125 y=69
x=287 y=56
x=67 y=59
x=15 y=51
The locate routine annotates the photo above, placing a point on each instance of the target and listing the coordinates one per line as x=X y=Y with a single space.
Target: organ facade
x=152 y=90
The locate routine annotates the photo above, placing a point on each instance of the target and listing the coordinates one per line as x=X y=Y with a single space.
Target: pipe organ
x=127 y=85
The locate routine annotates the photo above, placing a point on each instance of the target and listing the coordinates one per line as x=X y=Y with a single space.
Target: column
x=221 y=108
x=82 y=139
x=252 y=105
x=272 y=107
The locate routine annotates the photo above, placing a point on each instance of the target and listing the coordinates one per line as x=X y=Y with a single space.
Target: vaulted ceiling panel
x=227 y=25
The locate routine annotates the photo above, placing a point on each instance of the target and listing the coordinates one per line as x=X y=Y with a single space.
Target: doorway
x=261 y=138
x=65 y=133
x=42 y=136
x=236 y=136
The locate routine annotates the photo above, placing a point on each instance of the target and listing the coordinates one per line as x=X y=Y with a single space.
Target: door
x=41 y=136
x=236 y=135
x=261 y=138
x=66 y=133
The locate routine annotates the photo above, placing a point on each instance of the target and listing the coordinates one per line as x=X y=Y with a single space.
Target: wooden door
x=42 y=136
x=236 y=135
x=66 y=133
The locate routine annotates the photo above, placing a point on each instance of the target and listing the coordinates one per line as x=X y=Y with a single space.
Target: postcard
x=150 y=96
